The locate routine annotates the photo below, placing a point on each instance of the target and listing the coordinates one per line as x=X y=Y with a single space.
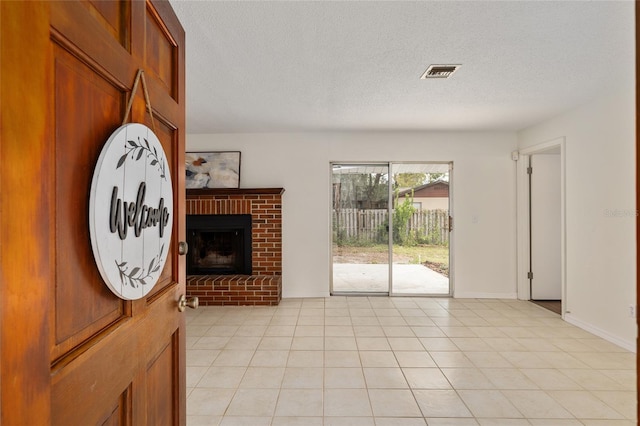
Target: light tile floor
x=402 y=361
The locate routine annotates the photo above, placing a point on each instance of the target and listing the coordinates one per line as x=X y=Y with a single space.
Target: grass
x=434 y=257
x=418 y=254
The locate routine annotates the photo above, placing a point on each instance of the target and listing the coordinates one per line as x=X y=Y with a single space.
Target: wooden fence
x=370 y=226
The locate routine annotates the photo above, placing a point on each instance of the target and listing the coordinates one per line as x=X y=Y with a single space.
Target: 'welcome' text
x=136 y=215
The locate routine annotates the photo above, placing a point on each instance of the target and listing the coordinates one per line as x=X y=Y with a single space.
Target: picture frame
x=213 y=169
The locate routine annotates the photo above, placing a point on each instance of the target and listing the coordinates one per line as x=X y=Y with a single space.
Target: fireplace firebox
x=219 y=244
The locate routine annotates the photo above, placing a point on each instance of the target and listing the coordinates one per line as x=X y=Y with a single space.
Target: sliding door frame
x=390 y=292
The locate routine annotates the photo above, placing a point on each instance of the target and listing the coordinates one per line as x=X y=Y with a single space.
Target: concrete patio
x=374 y=278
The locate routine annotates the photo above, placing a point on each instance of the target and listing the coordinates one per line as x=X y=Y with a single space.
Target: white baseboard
x=473 y=295
x=305 y=295
x=626 y=344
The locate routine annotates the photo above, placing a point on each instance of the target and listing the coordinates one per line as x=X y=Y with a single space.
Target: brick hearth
x=264 y=286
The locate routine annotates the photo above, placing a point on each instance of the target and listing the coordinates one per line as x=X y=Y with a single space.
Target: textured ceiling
x=355 y=65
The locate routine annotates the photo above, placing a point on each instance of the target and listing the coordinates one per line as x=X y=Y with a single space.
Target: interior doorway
x=391 y=228
x=541 y=226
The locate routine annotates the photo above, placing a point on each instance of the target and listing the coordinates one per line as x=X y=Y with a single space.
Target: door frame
x=523 y=218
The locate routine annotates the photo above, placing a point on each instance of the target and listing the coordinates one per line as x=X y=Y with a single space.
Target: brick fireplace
x=264 y=285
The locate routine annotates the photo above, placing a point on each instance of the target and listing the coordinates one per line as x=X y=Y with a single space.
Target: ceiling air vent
x=439 y=71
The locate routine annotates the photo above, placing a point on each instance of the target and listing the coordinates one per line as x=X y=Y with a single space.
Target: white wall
x=483 y=197
x=600 y=212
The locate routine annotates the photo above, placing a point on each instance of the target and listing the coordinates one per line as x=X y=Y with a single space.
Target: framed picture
x=212 y=169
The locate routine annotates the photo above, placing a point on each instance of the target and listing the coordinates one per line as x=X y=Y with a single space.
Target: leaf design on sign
x=137 y=275
x=122 y=160
x=139 y=148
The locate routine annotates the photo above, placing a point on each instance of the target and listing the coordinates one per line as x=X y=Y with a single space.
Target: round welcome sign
x=131 y=211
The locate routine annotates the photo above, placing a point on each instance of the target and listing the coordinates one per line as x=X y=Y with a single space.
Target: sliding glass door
x=360 y=228
x=420 y=230
x=390 y=228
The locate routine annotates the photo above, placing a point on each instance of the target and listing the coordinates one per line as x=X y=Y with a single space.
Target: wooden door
x=546 y=229
x=71 y=352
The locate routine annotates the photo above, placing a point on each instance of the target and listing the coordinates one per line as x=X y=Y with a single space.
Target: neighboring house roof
x=438 y=188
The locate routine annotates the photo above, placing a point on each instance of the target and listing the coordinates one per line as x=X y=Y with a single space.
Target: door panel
x=77 y=354
x=545 y=228
x=360 y=245
x=67 y=28
x=113 y=16
x=121 y=413
x=160 y=52
x=161 y=385
x=420 y=242
x=83 y=304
